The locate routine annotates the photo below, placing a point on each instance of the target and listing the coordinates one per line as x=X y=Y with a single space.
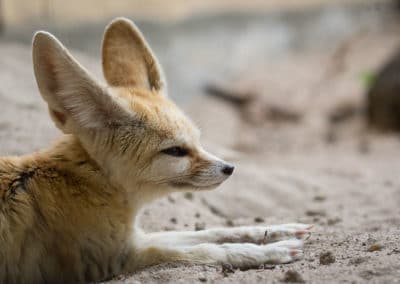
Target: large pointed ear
x=127 y=58
x=73 y=96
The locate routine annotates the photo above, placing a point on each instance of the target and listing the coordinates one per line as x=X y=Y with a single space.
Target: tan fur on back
x=56 y=206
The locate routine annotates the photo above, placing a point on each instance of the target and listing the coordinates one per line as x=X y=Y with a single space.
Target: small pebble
x=326 y=258
x=202 y=279
x=173 y=220
x=397 y=251
x=313 y=213
x=227 y=269
x=357 y=260
x=230 y=223
x=334 y=221
x=374 y=247
x=259 y=220
x=188 y=195
x=292 y=276
x=319 y=198
x=199 y=226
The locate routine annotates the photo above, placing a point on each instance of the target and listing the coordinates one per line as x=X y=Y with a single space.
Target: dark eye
x=175 y=151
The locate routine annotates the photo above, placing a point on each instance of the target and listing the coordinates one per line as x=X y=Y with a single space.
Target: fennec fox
x=67 y=214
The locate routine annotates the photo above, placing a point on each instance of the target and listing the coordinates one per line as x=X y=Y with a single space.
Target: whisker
x=165 y=180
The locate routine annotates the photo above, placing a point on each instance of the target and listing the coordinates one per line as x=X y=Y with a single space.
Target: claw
x=296 y=254
x=265 y=237
x=310 y=227
x=300 y=234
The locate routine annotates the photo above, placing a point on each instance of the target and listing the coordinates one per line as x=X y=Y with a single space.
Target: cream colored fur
x=67 y=214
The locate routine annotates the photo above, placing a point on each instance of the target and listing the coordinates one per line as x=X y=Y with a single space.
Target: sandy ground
x=337 y=176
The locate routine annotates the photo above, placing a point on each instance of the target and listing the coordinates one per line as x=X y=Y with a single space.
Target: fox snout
x=210 y=171
x=228 y=169
x=221 y=167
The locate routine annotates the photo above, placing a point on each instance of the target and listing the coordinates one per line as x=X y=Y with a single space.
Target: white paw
x=287 y=231
x=252 y=255
x=283 y=251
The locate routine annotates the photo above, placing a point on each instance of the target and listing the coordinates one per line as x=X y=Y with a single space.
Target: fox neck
x=69 y=152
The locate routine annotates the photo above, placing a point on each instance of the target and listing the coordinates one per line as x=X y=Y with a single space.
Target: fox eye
x=175 y=151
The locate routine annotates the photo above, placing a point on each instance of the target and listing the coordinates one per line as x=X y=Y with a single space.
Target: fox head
x=140 y=139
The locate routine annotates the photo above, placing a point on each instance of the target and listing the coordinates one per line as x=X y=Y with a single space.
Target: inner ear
x=59 y=116
x=127 y=58
x=75 y=100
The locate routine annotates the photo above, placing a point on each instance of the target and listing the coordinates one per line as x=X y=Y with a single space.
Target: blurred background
x=225 y=36
x=321 y=56
x=303 y=96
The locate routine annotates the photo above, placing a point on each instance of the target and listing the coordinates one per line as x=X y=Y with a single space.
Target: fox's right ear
x=127 y=58
x=74 y=98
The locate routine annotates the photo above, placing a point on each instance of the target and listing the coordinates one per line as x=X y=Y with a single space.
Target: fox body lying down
x=67 y=214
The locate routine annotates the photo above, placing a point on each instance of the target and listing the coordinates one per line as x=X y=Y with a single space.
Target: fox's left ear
x=127 y=58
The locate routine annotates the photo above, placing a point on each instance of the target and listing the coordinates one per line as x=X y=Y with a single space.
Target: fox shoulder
x=20 y=177
x=12 y=179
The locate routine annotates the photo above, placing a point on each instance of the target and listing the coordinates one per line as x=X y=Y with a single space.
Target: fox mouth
x=179 y=184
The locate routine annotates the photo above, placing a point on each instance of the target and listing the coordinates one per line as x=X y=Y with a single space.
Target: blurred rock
x=254 y=108
x=383 y=97
x=199 y=226
x=344 y=110
x=237 y=97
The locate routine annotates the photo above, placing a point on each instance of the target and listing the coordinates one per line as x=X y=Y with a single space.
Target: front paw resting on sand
x=242 y=247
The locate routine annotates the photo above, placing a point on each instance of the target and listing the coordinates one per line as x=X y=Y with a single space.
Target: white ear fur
x=73 y=96
x=128 y=59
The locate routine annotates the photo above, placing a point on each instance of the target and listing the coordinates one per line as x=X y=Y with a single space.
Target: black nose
x=228 y=169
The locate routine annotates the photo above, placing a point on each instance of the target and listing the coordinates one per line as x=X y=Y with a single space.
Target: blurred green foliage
x=368 y=78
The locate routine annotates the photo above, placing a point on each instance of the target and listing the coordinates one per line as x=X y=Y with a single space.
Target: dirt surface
x=319 y=170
